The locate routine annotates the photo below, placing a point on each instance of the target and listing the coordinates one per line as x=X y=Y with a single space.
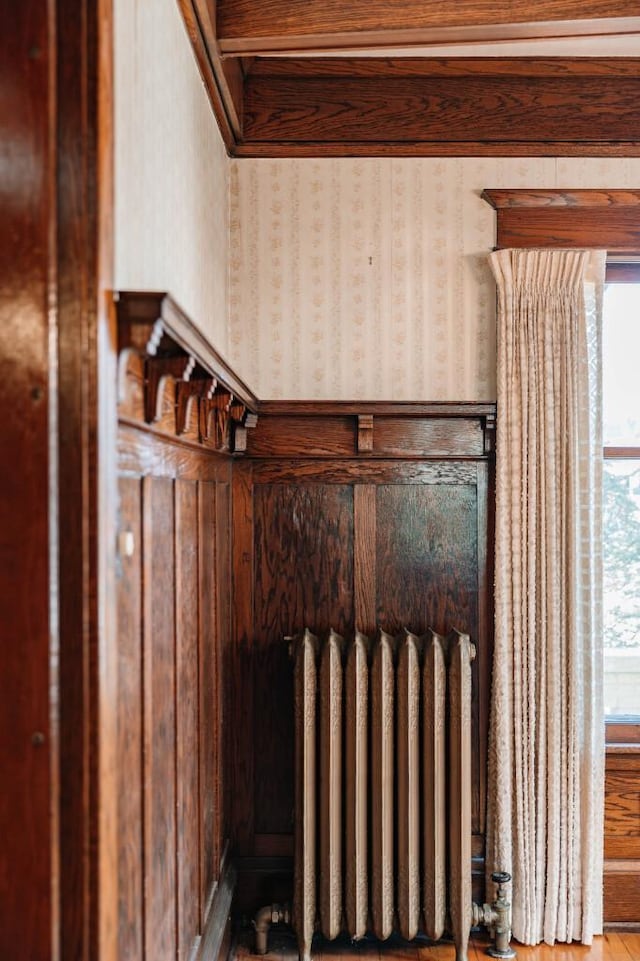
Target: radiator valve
x=271 y=914
x=497 y=918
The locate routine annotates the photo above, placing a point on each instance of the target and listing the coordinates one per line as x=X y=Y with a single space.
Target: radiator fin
x=434 y=851
x=408 y=781
x=304 y=896
x=382 y=786
x=331 y=786
x=461 y=653
x=357 y=794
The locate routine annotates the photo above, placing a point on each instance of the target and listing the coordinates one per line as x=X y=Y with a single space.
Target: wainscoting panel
x=174 y=617
x=332 y=530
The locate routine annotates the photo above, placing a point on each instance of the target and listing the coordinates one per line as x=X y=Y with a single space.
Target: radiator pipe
x=497 y=918
x=270 y=914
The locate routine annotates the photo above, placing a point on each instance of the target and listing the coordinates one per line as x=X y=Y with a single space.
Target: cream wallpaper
x=171 y=168
x=368 y=279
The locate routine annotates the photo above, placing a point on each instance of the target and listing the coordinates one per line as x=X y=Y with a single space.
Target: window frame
x=622 y=728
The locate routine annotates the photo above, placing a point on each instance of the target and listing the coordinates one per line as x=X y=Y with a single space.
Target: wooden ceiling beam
x=245 y=27
x=588 y=104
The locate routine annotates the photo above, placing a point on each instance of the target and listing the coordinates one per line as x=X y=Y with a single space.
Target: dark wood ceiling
x=338 y=78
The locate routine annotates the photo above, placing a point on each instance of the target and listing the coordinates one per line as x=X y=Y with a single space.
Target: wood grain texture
x=239 y=673
x=500 y=108
x=364 y=558
x=567 y=218
x=28 y=854
x=279 y=25
x=188 y=852
x=381 y=471
x=303 y=543
x=159 y=720
x=207 y=643
x=426 y=558
x=130 y=743
x=224 y=598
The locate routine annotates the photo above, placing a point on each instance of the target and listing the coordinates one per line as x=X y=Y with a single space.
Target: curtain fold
x=546 y=742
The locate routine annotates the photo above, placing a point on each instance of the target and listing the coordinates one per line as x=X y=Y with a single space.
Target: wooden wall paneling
x=426 y=557
x=364 y=558
x=159 y=719
x=303 y=576
x=207 y=643
x=238 y=668
x=622 y=834
x=223 y=633
x=187 y=716
x=131 y=909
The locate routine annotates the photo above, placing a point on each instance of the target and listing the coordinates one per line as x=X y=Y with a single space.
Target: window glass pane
x=621 y=529
x=621 y=365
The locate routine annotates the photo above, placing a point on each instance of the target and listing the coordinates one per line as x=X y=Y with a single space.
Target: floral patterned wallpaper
x=368 y=278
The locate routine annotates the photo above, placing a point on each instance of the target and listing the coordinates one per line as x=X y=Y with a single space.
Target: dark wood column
x=57 y=898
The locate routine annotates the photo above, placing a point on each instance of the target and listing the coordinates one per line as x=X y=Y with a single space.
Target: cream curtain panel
x=546 y=750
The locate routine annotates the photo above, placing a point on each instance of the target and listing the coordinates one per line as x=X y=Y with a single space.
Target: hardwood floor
x=282 y=947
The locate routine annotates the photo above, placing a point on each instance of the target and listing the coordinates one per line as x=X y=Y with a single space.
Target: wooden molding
x=324 y=25
x=456 y=106
x=177 y=356
x=369 y=430
x=607 y=219
x=270 y=106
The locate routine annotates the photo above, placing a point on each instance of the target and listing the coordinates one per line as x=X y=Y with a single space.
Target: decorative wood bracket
x=198 y=388
x=157 y=370
x=174 y=350
x=240 y=432
x=489 y=432
x=365 y=433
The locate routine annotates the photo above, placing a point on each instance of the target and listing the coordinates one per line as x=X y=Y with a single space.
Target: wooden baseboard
x=622 y=927
x=216 y=937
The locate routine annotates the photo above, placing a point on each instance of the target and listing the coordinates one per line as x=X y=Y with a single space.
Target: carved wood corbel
x=157 y=372
x=240 y=434
x=196 y=389
x=214 y=411
x=153 y=327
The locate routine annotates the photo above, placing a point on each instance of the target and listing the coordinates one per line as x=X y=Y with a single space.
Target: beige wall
x=171 y=169
x=368 y=278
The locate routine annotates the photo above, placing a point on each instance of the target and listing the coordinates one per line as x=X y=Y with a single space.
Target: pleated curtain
x=546 y=750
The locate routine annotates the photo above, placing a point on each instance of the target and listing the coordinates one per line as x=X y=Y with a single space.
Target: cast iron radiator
x=383 y=792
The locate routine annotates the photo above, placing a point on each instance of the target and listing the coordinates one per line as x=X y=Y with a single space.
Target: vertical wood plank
x=303 y=577
x=223 y=610
x=364 y=559
x=159 y=719
x=239 y=678
x=186 y=707
x=207 y=642
x=130 y=791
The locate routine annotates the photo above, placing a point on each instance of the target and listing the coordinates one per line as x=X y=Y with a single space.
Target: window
x=621 y=492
